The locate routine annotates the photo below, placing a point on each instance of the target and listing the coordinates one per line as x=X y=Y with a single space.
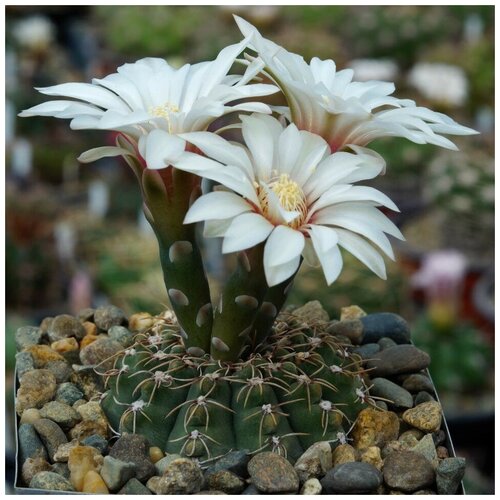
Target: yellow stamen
x=164 y=111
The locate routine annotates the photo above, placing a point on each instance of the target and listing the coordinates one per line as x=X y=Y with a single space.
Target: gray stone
x=386 y=324
x=60 y=369
x=26 y=336
x=312 y=312
x=234 y=461
x=423 y=397
x=427 y=449
x=101 y=352
x=449 y=474
x=116 y=473
x=315 y=461
x=367 y=351
x=98 y=442
x=51 y=481
x=351 y=477
x=439 y=437
x=62 y=469
x=272 y=473
x=24 y=363
x=30 y=445
x=107 y=316
x=37 y=387
x=408 y=471
x=181 y=477
x=251 y=489
x=122 y=335
x=225 y=481
x=60 y=413
x=386 y=342
x=396 y=360
x=51 y=434
x=64 y=326
x=352 y=329
x=162 y=464
x=68 y=393
x=134 y=487
x=396 y=395
x=417 y=382
x=134 y=448
x=31 y=467
x=86 y=314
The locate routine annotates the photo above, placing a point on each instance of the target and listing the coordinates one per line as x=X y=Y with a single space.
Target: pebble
x=87 y=340
x=425 y=416
x=351 y=312
x=385 y=324
x=367 y=351
x=81 y=460
x=116 y=473
x=391 y=447
x=343 y=454
x=423 y=397
x=90 y=329
x=45 y=324
x=152 y=484
x=61 y=370
x=140 y=321
x=251 y=490
x=107 y=316
x=408 y=471
x=417 y=382
x=371 y=455
x=64 y=326
x=425 y=492
x=64 y=346
x=27 y=336
x=449 y=474
x=68 y=393
x=386 y=342
x=98 y=442
x=86 y=314
x=427 y=449
x=62 y=453
x=315 y=461
x=30 y=445
x=155 y=454
x=272 y=473
x=24 y=363
x=386 y=389
x=87 y=380
x=181 y=477
x=225 y=481
x=62 y=469
x=439 y=437
x=134 y=487
x=352 y=477
x=375 y=428
x=408 y=440
x=398 y=359
x=101 y=353
x=93 y=483
x=43 y=354
x=60 y=413
x=312 y=312
x=30 y=415
x=122 y=335
x=33 y=466
x=442 y=452
x=161 y=465
x=234 y=461
x=37 y=387
x=50 y=481
x=352 y=329
x=311 y=487
x=51 y=434
x=134 y=448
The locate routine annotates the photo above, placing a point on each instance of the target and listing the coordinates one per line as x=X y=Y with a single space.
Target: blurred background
x=76 y=236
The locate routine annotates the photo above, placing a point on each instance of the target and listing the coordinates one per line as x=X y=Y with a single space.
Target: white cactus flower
x=286 y=188
x=150 y=94
x=327 y=102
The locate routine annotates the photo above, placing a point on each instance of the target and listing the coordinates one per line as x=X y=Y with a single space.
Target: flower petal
x=325 y=241
x=102 y=152
x=284 y=245
x=246 y=231
x=160 y=149
x=216 y=205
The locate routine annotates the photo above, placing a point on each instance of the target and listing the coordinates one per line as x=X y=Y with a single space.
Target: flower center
x=164 y=111
x=290 y=196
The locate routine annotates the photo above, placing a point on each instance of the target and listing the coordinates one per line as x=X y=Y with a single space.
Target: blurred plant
x=35 y=33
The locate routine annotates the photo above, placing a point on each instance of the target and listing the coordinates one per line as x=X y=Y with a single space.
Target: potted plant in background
x=239 y=388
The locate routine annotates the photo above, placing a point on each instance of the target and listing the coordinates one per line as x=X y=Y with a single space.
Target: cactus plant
x=205 y=379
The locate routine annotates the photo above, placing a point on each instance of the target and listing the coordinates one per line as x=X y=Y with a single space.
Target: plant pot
x=23 y=490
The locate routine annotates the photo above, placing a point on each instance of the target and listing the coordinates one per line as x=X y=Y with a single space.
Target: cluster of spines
x=299 y=387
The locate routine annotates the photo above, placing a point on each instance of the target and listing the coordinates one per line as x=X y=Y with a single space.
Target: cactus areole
x=237 y=374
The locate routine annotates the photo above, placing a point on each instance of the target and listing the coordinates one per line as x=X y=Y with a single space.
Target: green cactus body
x=300 y=387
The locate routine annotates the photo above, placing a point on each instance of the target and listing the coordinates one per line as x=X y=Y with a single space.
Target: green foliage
x=299 y=387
